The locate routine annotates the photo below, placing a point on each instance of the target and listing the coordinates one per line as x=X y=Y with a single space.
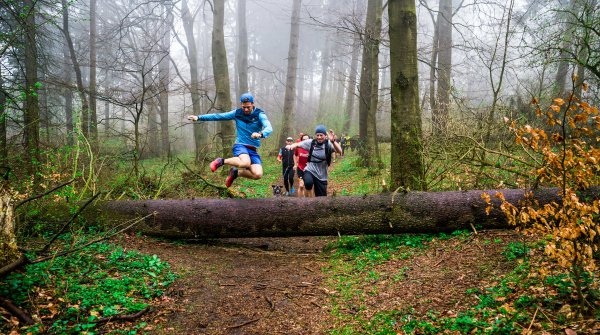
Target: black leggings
x=288 y=177
x=320 y=185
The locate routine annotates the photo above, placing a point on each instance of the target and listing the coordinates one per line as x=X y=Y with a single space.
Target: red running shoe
x=233 y=173
x=217 y=163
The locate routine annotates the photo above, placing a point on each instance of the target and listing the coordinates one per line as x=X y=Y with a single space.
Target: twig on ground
x=243 y=323
x=16 y=311
x=128 y=317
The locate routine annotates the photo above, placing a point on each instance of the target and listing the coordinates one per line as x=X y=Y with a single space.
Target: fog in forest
x=128 y=72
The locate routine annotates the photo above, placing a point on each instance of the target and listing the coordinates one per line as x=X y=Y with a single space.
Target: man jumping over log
x=251 y=124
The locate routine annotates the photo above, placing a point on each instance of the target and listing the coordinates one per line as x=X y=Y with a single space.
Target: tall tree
x=406 y=155
x=32 y=108
x=365 y=86
x=444 y=64
x=368 y=87
x=68 y=95
x=351 y=95
x=372 y=150
x=200 y=130
x=289 y=106
x=221 y=74
x=164 y=73
x=92 y=84
x=77 y=69
x=242 y=53
x=3 y=98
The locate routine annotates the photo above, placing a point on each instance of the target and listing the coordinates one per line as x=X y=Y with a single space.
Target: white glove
x=192 y=117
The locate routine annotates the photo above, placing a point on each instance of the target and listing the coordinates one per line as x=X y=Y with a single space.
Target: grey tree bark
x=92 y=83
x=221 y=74
x=372 y=150
x=289 y=102
x=351 y=95
x=366 y=75
x=200 y=129
x=164 y=75
x=77 y=69
x=412 y=212
x=444 y=65
x=3 y=148
x=32 y=108
x=242 y=53
x=406 y=155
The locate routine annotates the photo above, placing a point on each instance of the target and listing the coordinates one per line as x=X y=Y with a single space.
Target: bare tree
x=32 y=108
x=289 y=105
x=242 y=53
x=406 y=164
x=221 y=74
x=200 y=130
x=92 y=84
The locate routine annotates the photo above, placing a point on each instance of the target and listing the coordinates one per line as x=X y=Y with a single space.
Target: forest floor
x=278 y=285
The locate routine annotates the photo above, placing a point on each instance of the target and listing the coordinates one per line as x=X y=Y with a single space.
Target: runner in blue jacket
x=251 y=125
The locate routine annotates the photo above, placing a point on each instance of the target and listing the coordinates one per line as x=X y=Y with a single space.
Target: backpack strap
x=328 y=152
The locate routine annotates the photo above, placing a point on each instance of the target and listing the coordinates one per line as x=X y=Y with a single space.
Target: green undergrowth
x=71 y=294
x=523 y=301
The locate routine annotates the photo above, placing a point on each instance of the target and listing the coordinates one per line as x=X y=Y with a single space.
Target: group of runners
x=309 y=158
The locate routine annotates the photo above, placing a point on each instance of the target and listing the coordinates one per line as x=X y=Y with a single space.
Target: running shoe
x=233 y=173
x=217 y=163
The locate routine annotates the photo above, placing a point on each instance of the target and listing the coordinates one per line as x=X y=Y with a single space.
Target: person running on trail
x=319 y=158
x=288 y=163
x=251 y=124
x=301 y=158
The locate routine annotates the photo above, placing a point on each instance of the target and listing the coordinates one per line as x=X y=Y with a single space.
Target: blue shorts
x=239 y=149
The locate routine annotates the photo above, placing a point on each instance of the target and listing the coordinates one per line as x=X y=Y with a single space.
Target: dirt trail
x=242 y=286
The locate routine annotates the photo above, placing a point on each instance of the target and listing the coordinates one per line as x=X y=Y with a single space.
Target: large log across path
x=389 y=213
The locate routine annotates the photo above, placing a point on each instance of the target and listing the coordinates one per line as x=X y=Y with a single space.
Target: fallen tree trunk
x=413 y=212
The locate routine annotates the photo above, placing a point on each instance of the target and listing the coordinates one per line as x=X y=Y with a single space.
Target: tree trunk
x=78 y=77
x=164 y=70
x=221 y=74
x=200 y=129
x=444 y=62
x=242 y=54
x=8 y=243
x=3 y=148
x=32 y=108
x=406 y=155
x=323 y=94
x=292 y=67
x=93 y=56
x=413 y=212
x=68 y=96
x=351 y=95
x=373 y=158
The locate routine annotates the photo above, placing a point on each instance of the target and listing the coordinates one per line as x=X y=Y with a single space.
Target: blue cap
x=321 y=129
x=247 y=97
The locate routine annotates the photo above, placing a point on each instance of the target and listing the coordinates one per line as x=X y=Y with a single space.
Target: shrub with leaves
x=568 y=158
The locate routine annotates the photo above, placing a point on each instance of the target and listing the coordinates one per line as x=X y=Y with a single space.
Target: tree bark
x=444 y=62
x=406 y=155
x=200 y=129
x=78 y=76
x=92 y=84
x=3 y=148
x=373 y=158
x=413 y=212
x=221 y=74
x=8 y=243
x=32 y=108
x=242 y=54
x=292 y=67
x=351 y=95
x=164 y=71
